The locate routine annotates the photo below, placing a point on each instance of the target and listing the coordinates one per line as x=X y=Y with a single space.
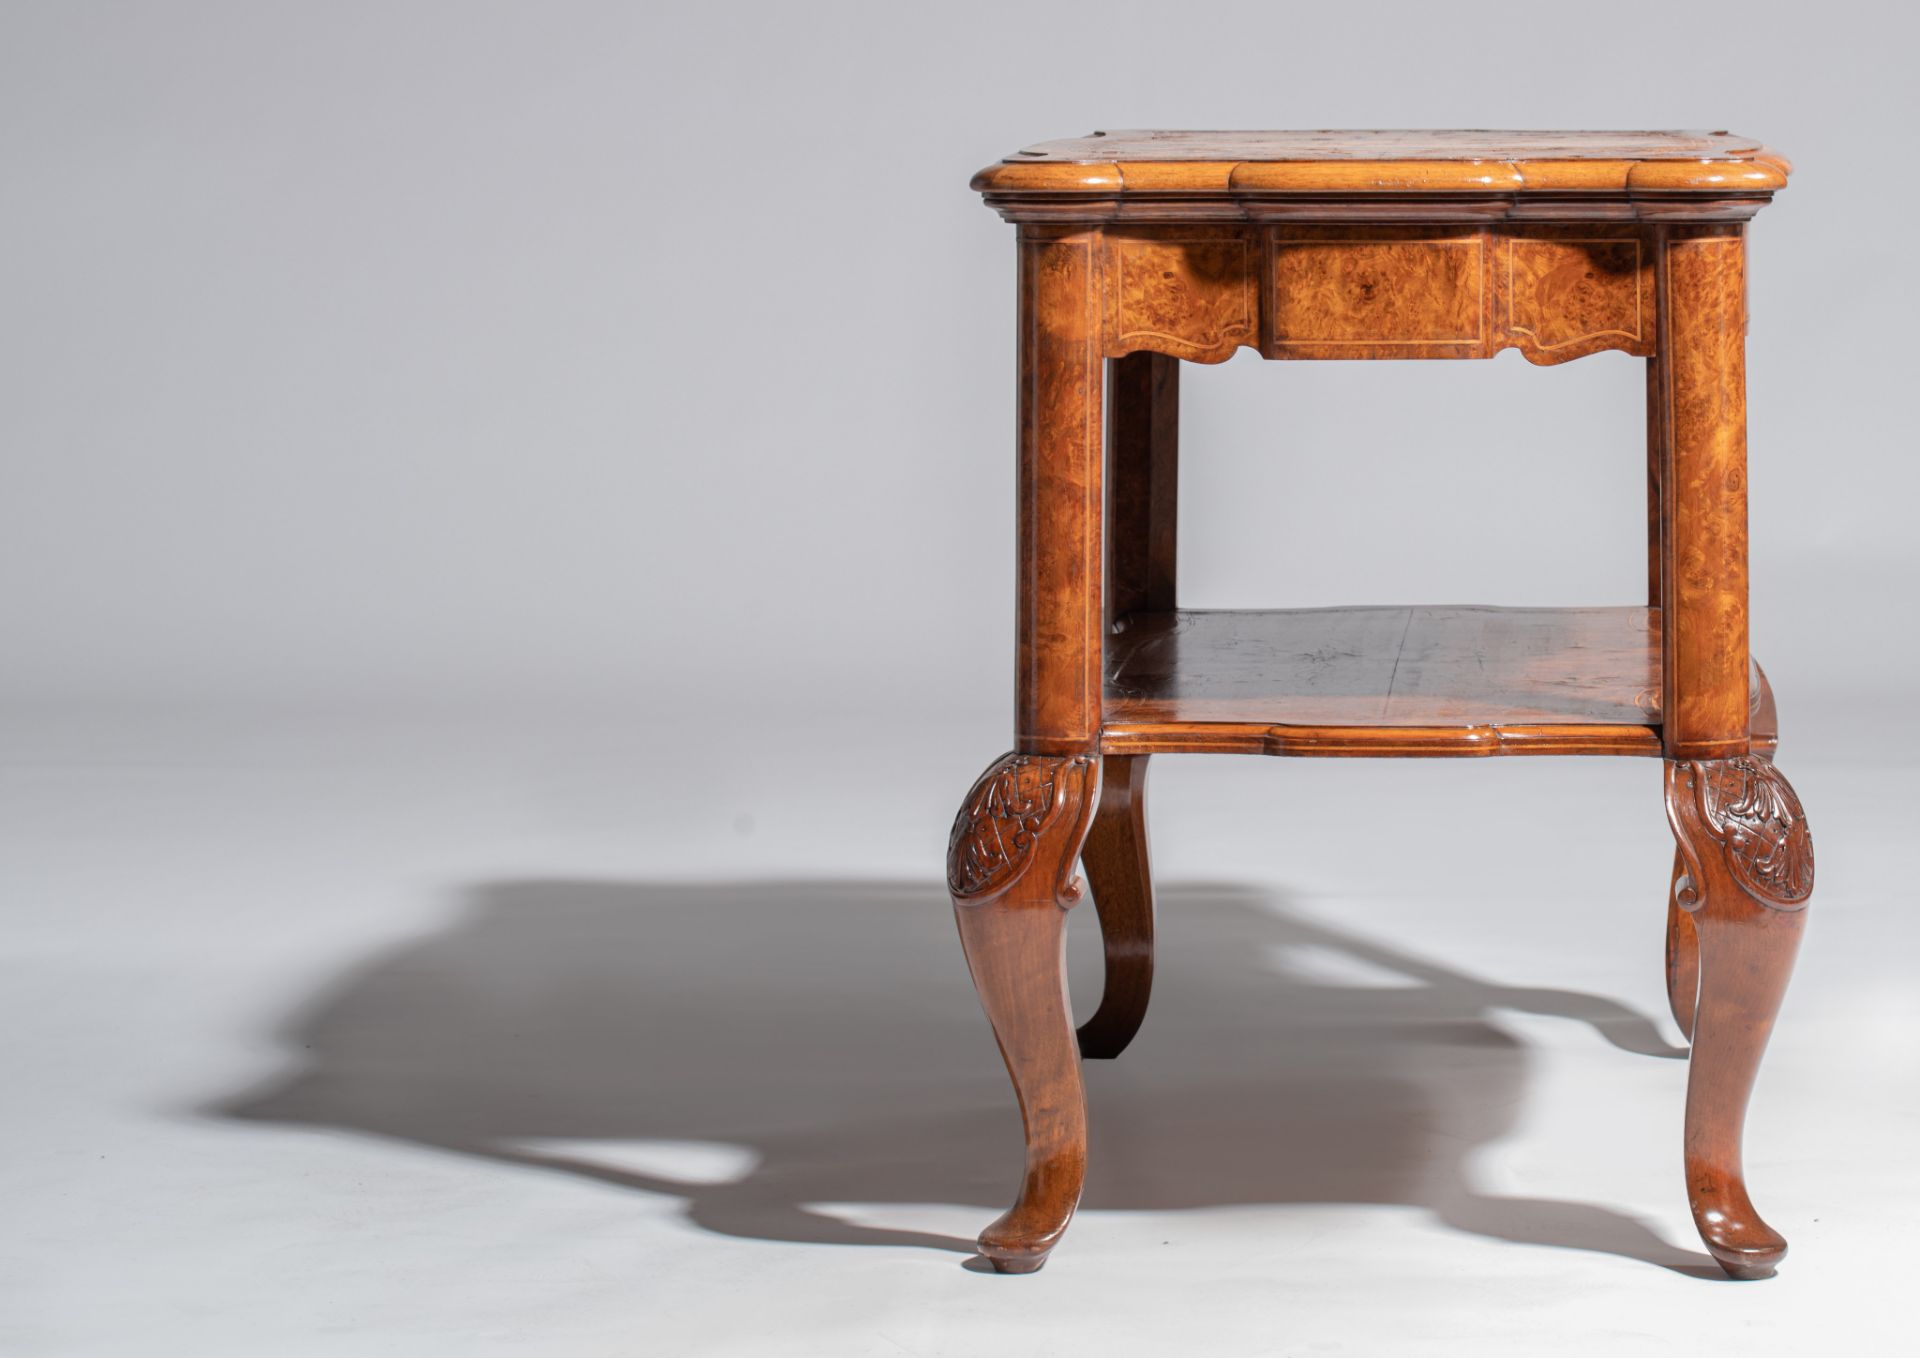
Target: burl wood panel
x=1191 y=294
x=1704 y=554
x=1568 y=292
x=1459 y=680
x=1380 y=292
x=1058 y=612
x=1554 y=293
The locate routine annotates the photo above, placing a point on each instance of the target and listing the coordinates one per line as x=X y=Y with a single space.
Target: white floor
x=341 y=1039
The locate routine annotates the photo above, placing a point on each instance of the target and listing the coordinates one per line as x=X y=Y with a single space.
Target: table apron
x=1554 y=292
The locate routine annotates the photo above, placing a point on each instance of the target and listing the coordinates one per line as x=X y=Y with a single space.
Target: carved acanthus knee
x=1747 y=808
x=1011 y=823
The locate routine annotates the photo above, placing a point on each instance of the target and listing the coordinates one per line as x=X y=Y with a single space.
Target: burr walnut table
x=1140 y=250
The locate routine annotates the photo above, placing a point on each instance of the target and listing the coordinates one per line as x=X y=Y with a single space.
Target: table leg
x=1748 y=875
x=1700 y=418
x=1010 y=865
x=1119 y=874
x=1747 y=858
x=1017 y=839
x=1060 y=626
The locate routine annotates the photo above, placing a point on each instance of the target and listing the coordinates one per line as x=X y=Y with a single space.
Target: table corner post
x=1701 y=421
x=1060 y=608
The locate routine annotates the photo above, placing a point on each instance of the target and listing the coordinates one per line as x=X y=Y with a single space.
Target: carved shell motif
x=1761 y=825
x=1000 y=822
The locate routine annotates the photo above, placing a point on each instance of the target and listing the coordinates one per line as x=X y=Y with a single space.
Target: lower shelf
x=1386 y=681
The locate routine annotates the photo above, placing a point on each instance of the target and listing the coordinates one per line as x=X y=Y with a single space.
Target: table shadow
x=827 y=1028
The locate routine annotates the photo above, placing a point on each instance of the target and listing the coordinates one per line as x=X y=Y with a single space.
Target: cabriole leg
x=1010 y=868
x=1118 y=873
x=1748 y=863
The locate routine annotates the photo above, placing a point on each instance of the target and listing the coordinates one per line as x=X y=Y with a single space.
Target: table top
x=1326 y=161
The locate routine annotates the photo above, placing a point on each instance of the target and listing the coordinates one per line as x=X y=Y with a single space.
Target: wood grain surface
x=1704 y=558
x=1554 y=292
x=1387 y=667
x=1058 y=623
x=1397 y=292
x=1255 y=165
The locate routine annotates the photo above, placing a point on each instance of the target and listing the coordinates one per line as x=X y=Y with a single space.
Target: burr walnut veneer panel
x=1372 y=291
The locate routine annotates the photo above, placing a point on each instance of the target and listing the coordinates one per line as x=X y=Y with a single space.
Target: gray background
x=506 y=571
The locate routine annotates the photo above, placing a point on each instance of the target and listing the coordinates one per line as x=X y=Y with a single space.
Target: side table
x=1140 y=250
